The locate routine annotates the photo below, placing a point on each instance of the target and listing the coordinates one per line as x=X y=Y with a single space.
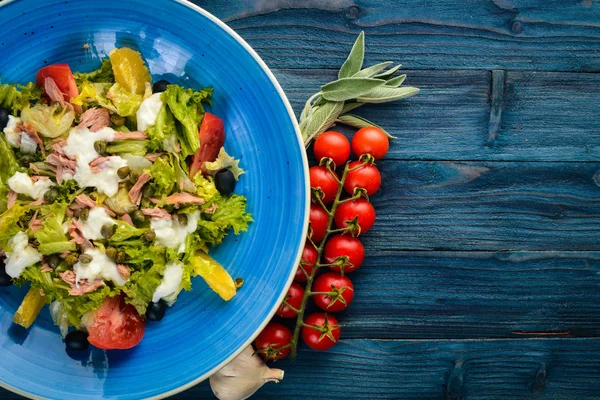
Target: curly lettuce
x=102 y=74
x=16 y=97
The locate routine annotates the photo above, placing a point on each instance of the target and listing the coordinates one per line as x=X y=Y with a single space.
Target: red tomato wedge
x=116 y=325
x=212 y=138
x=63 y=77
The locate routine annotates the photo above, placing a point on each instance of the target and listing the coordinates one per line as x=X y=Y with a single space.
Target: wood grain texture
x=454 y=369
x=486 y=206
x=474 y=295
x=531 y=116
x=430 y=34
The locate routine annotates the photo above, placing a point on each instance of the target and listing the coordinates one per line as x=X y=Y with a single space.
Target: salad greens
x=106 y=200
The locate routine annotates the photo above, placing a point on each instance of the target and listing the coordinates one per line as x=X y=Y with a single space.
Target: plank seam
x=496 y=104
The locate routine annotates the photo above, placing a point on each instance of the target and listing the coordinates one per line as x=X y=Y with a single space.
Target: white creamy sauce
x=28 y=145
x=170 y=233
x=101 y=267
x=80 y=145
x=170 y=283
x=13 y=137
x=148 y=111
x=97 y=218
x=22 y=183
x=22 y=255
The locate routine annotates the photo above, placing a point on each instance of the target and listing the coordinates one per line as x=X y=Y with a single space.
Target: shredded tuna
x=84 y=287
x=46 y=267
x=12 y=198
x=153 y=156
x=130 y=135
x=54 y=92
x=156 y=213
x=154 y=200
x=135 y=194
x=42 y=293
x=36 y=178
x=64 y=254
x=75 y=231
x=95 y=119
x=184 y=198
x=211 y=209
x=35 y=224
x=28 y=130
x=69 y=212
x=85 y=200
x=67 y=163
x=99 y=161
x=59 y=174
x=109 y=211
x=126 y=218
x=34 y=168
x=177 y=148
x=38 y=202
x=68 y=277
x=124 y=271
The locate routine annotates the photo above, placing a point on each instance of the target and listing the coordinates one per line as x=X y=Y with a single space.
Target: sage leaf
x=323 y=117
x=385 y=94
x=397 y=81
x=372 y=71
x=389 y=73
x=349 y=88
x=349 y=106
x=359 y=122
x=354 y=62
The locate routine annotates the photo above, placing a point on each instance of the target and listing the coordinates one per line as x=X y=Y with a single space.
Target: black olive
x=77 y=341
x=225 y=182
x=156 y=311
x=5 y=279
x=3 y=118
x=160 y=86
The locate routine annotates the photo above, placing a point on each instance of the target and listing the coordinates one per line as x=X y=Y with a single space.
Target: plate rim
x=304 y=158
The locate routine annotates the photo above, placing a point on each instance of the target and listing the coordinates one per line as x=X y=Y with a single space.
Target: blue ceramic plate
x=201 y=333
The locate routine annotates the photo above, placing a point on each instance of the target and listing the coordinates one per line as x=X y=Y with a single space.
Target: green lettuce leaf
x=205 y=188
x=125 y=231
x=120 y=101
x=142 y=284
x=186 y=106
x=8 y=167
x=163 y=128
x=103 y=74
x=224 y=161
x=231 y=213
x=67 y=191
x=91 y=93
x=163 y=177
x=56 y=247
x=77 y=306
x=131 y=146
x=49 y=120
x=8 y=224
x=52 y=229
x=16 y=97
x=120 y=202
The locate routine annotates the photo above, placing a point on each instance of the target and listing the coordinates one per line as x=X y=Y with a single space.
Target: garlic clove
x=243 y=376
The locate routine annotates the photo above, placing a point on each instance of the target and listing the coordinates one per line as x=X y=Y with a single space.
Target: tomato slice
x=212 y=138
x=62 y=75
x=116 y=325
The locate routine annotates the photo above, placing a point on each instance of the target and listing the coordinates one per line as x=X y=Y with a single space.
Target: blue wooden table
x=482 y=279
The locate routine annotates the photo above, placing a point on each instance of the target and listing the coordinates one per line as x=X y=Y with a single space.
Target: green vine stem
x=319 y=248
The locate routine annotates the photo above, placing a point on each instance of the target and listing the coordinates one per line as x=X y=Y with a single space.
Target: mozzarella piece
x=148 y=112
x=92 y=227
x=170 y=233
x=22 y=183
x=22 y=256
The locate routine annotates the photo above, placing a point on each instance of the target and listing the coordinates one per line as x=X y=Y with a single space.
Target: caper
x=133 y=177
x=108 y=230
x=85 y=258
x=238 y=282
x=138 y=217
x=84 y=214
x=71 y=259
x=123 y=172
x=100 y=146
x=53 y=260
x=121 y=257
x=117 y=120
x=111 y=253
x=26 y=160
x=149 y=235
x=51 y=195
x=183 y=219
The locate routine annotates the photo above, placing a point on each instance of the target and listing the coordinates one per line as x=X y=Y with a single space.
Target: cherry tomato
x=340 y=287
x=333 y=145
x=345 y=245
x=360 y=208
x=320 y=177
x=371 y=141
x=212 y=138
x=309 y=258
x=294 y=298
x=366 y=177
x=318 y=222
x=63 y=77
x=115 y=325
x=323 y=331
x=271 y=340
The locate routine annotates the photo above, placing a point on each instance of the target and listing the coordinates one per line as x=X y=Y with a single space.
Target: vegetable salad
x=112 y=192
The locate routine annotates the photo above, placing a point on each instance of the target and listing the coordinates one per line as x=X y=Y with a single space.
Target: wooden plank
x=474 y=295
x=486 y=206
x=465 y=369
x=502 y=34
x=532 y=116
